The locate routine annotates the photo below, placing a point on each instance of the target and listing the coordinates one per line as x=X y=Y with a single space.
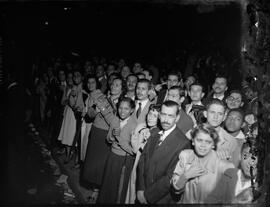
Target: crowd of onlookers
x=141 y=137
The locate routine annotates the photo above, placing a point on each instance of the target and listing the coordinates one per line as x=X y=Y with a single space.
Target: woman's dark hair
x=126 y=99
x=156 y=107
x=207 y=129
x=86 y=80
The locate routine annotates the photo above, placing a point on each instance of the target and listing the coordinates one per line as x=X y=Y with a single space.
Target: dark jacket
x=156 y=166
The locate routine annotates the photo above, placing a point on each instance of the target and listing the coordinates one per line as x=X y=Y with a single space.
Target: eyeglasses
x=231 y=98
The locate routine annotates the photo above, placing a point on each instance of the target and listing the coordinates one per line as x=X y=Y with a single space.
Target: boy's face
x=215 y=115
x=234 y=121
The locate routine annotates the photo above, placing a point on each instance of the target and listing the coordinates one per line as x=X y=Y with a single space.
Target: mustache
x=165 y=123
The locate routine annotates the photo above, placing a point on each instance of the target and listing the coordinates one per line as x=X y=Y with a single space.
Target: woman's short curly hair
x=207 y=129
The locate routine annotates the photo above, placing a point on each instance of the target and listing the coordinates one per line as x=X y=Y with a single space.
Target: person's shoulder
x=186 y=153
x=225 y=165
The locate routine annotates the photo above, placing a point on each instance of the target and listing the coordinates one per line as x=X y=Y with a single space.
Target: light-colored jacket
x=196 y=190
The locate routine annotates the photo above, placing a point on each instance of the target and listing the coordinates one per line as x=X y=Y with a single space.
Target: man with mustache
x=142 y=101
x=219 y=89
x=159 y=158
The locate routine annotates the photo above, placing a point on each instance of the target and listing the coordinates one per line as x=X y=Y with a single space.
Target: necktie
x=160 y=138
x=139 y=110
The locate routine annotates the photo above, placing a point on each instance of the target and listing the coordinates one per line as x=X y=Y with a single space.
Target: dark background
x=150 y=32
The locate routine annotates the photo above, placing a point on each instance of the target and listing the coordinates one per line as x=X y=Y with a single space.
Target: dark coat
x=156 y=166
x=161 y=96
x=185 y=122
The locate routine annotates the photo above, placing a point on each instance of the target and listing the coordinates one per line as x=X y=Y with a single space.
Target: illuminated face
x=124 y=110
x=77 y=78
x=220 y=85
x=116 y=87
x=196 y=93
x=61 y=76
x=173 y=95
x=110 y=70
x=131 y=83
x=203 y=144
x=234 y=121
x=91 y=84
x=142 y=90
x=189 y=81
x=70 y=79
x=152 y=118
x=247 y=161
x=172 y=81
x=99 y=71
x=125 y=72
x=147 y=75
x=215 y=115
x=168 y=117
x=234 y=101
x=137 y=68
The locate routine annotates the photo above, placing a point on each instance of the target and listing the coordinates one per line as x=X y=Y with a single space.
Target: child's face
x=203 y=144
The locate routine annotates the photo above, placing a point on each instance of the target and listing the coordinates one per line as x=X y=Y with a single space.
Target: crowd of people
x=140 y=138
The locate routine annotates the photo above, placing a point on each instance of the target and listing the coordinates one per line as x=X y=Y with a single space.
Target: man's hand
x=145 y=133
x=194 y=171
x=223 y=154
x=140 y=197
x=158 y=87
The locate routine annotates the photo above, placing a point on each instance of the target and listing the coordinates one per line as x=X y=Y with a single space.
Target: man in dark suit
x=220 y=86
x=177 y=94
x=159 y=158
x=173 y=80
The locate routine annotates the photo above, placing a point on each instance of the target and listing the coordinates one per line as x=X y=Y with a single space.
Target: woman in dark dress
x=121 y=158
x=98 y=148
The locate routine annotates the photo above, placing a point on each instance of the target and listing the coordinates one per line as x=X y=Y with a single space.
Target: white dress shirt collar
x=220 y=97
x=123 y=122
x=144 y=102
x=166 y=133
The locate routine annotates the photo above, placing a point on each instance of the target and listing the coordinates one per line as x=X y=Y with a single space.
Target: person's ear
x=242 y=103
x=225 y=115
x=182 y=99
x=132 y=110
x=189 y=93
x=177 y=118
x=202 y=95
x=205 y=114
x=226 y=88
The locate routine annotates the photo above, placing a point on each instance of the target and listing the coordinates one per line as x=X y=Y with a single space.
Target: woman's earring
x=192 y=143
x=213 y=147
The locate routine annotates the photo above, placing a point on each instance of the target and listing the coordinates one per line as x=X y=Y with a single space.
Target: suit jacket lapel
x=145 y=109
x=165 y=145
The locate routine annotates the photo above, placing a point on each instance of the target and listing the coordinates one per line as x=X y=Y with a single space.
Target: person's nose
x=215 y=116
